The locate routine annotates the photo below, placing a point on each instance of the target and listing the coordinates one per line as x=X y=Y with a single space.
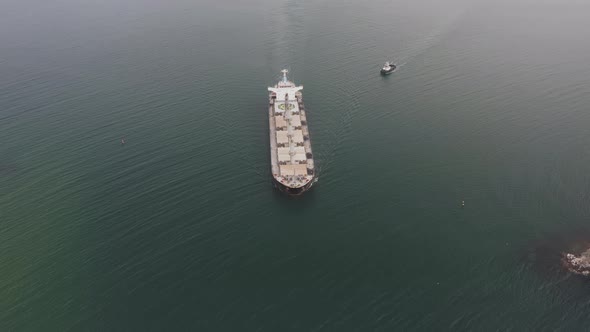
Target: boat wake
x=399 y=66
x=430 y=40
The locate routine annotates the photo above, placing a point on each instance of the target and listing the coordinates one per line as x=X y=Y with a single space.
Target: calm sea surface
x=180 y=229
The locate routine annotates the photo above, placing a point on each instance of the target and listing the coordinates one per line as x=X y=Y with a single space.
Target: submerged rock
x=578 y=264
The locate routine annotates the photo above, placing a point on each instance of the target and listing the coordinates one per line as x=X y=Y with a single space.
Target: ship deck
x=291 y=154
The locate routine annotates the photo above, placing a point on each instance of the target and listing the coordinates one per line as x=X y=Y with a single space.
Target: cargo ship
x=291 y=158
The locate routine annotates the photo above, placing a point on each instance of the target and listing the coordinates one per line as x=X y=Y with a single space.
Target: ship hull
x=292 y=191
x=291 y=156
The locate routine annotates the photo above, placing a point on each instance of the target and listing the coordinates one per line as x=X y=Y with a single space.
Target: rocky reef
x=578 y=264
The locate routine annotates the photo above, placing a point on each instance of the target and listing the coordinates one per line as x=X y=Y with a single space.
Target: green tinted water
x=180 y=228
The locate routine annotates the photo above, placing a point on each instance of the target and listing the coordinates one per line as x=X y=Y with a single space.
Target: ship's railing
x=306 y=137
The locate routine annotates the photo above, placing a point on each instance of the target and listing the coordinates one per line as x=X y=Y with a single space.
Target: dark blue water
x=180 y=228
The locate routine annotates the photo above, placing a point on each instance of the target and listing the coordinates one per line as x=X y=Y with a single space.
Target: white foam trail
x=430 y=40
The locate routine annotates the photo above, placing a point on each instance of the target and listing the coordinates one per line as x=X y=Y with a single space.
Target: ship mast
x=284 y=71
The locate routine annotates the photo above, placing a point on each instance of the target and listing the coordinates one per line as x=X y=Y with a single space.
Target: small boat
x=388 y=68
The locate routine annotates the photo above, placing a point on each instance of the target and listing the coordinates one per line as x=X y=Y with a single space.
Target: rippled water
x=180 y=228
